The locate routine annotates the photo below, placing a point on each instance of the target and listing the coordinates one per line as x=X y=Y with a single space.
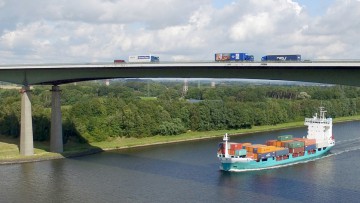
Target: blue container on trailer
x=310 y=147
x=237 y=56
x=295 y=57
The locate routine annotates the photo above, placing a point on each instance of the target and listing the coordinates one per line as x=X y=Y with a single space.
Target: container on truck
x=294 y=57
x=233 y=57
x=143 y=59
x=119 y=61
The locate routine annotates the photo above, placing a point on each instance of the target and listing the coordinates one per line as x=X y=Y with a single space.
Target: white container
x=143 y=59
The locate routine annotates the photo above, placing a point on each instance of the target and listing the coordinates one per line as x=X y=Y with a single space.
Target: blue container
x=266 y=155
x=282 y=152
x=237 y=56
x=240 y=152
x=281 y=58
x=249 y=58
x=310 y=147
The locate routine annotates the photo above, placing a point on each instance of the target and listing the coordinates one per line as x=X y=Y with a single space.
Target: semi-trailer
x=119 y=61
x=294 y=57
x=143 y=59
x=233 y=57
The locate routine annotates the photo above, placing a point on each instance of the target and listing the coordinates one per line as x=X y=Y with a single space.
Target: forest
x=93 y=111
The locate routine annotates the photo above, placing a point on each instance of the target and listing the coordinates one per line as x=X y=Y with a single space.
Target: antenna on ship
x=322 y=113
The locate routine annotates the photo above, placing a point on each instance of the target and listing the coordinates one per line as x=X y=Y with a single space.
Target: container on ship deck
x=266 y=149
x=236 y=146
x=295 y=144
x=231 y=152
x=250 y=155
x=245 y=144
x=271 y=142
x=284 y=137
x=282 y=151
x=253 y=148
x=265 y=155
x=278 y=143
x=296 y=150
x=240 y=152
x=306 y=141
x=310 y=147
x=286 y=143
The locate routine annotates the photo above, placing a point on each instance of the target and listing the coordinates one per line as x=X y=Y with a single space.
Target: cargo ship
x=283 y=151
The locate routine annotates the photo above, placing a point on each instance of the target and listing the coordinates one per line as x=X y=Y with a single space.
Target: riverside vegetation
x=100 y=115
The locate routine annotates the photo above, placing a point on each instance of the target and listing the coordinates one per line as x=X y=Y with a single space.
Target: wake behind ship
x=285 y=150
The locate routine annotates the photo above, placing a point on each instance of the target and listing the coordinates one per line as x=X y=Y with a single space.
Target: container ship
x=284 y=150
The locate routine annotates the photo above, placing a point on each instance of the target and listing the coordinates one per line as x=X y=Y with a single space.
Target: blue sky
x=316 y=7
x=176 y=30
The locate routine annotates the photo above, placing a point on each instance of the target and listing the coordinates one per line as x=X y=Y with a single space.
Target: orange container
x=306 y=141
x=278 y=143
x=251 y=148
x=231 y=152
x=250 y=155
x=271 y=142
x=266 y=149
x=244 y=145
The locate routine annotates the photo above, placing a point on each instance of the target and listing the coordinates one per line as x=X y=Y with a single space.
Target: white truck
x=143 y=59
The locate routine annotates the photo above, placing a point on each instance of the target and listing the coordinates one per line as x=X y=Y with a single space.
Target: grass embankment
x=9 y=149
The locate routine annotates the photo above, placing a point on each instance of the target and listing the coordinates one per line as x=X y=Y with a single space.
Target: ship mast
x=226 y=139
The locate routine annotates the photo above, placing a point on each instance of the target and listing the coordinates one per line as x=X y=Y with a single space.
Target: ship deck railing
x=312 y=120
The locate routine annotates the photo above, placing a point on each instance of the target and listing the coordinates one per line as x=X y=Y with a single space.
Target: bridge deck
x=331 y=72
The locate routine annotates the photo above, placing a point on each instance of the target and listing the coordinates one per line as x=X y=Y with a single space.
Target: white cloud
x=101 y=30
x=252 y=27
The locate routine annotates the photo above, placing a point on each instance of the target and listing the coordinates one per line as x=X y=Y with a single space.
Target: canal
x=188 y=172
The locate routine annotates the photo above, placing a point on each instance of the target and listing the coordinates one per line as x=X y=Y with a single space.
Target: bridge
x=329 y=72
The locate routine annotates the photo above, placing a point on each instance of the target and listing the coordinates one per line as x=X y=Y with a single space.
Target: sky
x=86 y=31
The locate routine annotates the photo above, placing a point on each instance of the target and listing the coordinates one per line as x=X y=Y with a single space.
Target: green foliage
x=93 y=112
x=174 y=127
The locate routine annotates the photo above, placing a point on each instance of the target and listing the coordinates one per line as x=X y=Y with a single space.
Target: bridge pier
x=26 y=130
x=56 y=137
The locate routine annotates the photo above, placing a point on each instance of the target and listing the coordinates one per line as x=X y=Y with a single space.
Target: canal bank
x=9 y=150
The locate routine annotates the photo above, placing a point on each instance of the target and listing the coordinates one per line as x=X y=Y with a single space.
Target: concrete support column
x=56 y=137
x=26 y=131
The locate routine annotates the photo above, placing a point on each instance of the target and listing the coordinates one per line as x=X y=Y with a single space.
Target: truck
x=143 y=59
x=119 y=61
x=293 y=57
x=233 y=57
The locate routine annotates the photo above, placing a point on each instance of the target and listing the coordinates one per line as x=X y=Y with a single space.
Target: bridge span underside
x=345 y=75
x=55 y=75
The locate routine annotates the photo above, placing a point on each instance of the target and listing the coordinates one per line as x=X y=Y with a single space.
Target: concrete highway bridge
x=329 y=72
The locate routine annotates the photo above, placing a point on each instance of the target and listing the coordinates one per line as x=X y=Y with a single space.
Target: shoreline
x=95 y=148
